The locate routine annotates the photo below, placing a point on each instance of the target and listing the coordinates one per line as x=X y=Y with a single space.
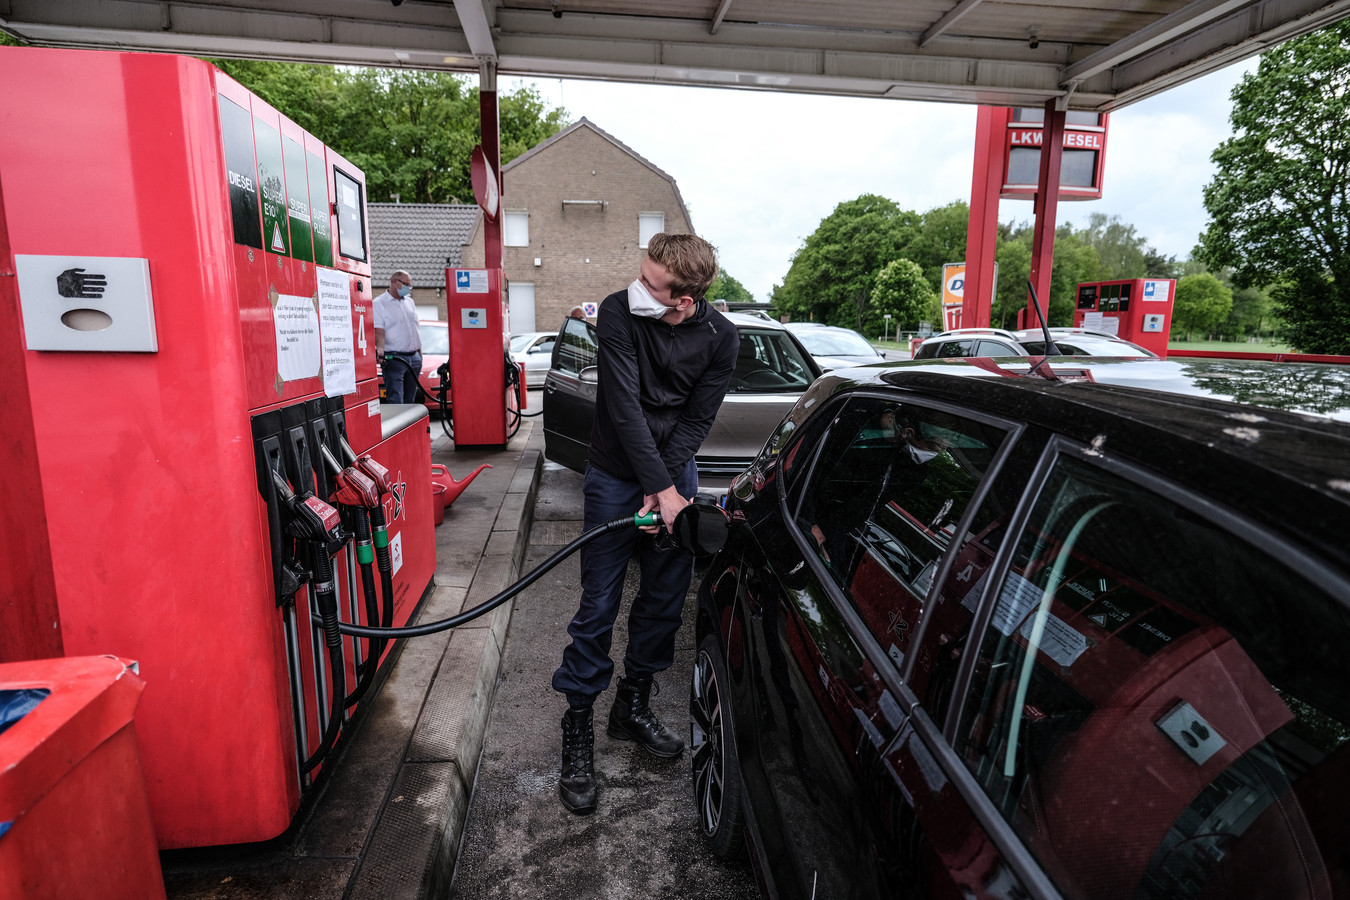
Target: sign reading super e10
x=1083 y=163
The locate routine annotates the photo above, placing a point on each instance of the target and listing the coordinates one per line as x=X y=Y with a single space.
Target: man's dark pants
x=655 y=615
x=400 y=377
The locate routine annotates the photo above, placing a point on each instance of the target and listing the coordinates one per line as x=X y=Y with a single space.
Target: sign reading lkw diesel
x=1087 y=139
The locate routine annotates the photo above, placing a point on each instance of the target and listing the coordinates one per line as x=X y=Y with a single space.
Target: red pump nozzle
x=376 y=472
x=357 y=489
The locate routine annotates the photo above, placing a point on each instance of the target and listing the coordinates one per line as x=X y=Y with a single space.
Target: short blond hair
x=690 y=260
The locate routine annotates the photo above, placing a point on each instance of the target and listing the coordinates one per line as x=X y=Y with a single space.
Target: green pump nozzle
x=651 y=518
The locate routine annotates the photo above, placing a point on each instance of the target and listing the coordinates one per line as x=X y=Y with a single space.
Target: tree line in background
x=1275 y=258
x=410 y=132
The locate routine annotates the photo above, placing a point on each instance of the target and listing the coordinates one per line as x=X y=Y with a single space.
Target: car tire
x=719 y=795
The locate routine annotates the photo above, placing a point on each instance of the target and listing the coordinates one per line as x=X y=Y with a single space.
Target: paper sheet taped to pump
x=296 y=320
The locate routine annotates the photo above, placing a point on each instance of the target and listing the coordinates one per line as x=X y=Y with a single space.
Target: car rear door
x=833 y=625
x=569 y=395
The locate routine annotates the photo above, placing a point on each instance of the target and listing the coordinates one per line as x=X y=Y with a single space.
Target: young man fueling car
x=665 y=359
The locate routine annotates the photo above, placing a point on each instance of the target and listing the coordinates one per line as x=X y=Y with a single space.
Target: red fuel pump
x=485 y=403
x=1136 y=309
x=189 y=327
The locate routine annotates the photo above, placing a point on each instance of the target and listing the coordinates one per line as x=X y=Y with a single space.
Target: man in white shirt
x=398 y=343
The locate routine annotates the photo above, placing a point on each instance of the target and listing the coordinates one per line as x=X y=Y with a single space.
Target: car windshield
x=435 y=340
x=518 y=341
x=1086 y=345
x=820 y=342
x=770 y=362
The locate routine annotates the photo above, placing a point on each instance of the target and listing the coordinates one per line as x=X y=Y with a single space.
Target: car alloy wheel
x=718 y=792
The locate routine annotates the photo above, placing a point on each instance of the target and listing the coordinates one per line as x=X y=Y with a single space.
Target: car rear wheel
x=718 y=792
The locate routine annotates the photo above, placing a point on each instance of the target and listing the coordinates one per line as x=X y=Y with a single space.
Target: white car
x=834 y=347
x=535 y=350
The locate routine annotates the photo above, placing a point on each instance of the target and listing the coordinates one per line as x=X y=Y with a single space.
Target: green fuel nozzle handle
x=651 y=518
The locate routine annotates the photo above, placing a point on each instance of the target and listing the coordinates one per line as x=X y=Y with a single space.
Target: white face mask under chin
x=920 y=456
x=642 y=303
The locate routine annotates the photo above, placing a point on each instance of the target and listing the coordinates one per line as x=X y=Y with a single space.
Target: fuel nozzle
x=701 y=527
x=308 y=517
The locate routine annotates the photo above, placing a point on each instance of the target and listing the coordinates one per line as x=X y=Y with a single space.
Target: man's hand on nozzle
x=668 y=503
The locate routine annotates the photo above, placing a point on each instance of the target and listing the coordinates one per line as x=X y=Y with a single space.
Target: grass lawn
x=1261 y=346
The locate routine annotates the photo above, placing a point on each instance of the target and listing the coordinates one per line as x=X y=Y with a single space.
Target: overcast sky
x=759 y=171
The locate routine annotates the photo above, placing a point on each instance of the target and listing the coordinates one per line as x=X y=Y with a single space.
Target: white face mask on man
x=642 y=303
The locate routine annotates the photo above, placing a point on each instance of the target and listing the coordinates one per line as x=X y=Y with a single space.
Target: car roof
x=745 y=320
x=1271 y=439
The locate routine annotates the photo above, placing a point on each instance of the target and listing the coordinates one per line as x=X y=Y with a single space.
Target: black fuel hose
x=652 y=518
x=374 y=646
x=325 y=595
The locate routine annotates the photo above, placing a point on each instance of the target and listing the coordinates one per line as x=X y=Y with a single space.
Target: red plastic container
x=437 y=502
x=71 y=787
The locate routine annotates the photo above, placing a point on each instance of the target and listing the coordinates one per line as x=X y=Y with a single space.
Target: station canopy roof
x=1099 y=54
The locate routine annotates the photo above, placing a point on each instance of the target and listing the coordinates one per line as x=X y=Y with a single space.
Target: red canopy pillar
x=991 y=127
x=489 y=131
x=1046 y=206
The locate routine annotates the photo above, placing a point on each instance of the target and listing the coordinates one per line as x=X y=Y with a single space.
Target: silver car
x=834 y=347
x=772 y=371
x=535 y=350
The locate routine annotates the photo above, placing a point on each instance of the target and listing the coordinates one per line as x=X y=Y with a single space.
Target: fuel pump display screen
x=297 y=200
x=236 y=131
x=1087 y=296
x=351 y=223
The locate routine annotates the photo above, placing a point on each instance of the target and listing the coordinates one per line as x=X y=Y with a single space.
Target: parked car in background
x=535 y=350
x=772 y=370
x=979 y=633
x=435 y=352
x=834 y=347
x=963 y=342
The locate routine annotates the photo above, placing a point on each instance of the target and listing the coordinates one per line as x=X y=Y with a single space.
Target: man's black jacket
x=660 y=388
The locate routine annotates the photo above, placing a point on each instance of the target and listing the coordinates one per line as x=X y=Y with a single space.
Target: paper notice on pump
x=335 y=319
x=1018 y=597
x=297 y=330
x=1058 y=640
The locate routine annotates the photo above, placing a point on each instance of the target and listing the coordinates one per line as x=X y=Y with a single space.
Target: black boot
x=631 y=719
x=577 y=785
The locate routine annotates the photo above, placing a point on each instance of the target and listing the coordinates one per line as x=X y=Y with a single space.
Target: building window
x=516 y=228
x=649 y=225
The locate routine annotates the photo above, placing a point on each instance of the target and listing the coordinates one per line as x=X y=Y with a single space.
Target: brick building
x=577 y=211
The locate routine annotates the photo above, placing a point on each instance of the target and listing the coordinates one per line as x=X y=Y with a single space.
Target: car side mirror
x=590 y=374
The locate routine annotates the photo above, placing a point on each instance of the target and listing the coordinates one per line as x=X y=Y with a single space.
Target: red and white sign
x=1032 y=137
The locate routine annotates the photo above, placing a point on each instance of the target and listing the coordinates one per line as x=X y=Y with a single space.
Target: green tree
x=410 y=132
x=1202 y=303
x=1280 y=201
x=833 y=272
x=726 y=287
x=904 y=293
x=939 y=239
x=1075 y=261
x=1013 y=255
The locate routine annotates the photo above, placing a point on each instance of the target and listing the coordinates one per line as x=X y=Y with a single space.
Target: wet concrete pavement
x=643 y=840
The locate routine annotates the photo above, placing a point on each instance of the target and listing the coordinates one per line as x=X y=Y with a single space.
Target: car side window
x=1159 y=708
x=883 y=503
x=956 y=348
x=545 y=345
x=577 y=348
x=995 y=348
